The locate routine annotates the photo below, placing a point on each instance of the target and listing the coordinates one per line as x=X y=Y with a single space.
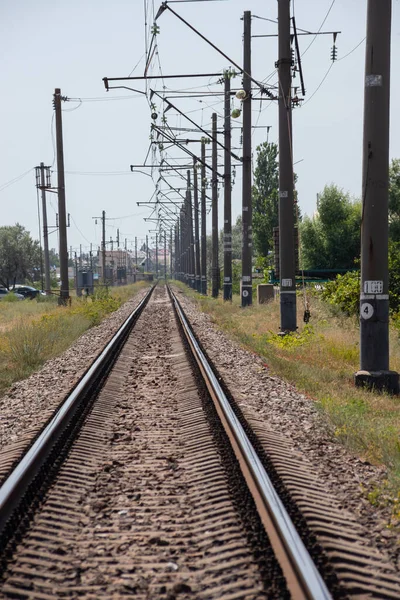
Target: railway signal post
x=374 y=370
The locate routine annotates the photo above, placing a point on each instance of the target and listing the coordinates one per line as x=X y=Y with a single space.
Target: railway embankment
x=303 y=386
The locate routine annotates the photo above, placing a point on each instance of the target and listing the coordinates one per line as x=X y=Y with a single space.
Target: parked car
x=27 y=291
x=4 y=292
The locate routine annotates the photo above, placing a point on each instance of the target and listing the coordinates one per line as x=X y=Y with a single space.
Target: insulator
x=334 y=53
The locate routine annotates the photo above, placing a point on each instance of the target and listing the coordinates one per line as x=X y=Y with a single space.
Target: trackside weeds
x=320 y=360
x=48 y=330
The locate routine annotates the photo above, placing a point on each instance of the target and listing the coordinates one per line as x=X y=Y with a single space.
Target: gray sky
x=73 y=45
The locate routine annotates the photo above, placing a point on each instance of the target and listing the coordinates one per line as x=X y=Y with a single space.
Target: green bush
x=344 y=292
x=50 y=299
x=10 y=298
x=96 y=307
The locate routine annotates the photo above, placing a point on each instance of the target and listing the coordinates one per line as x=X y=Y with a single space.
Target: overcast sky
x=73 y=45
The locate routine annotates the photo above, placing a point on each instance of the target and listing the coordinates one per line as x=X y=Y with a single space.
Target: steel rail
x=18 y=482
x=302 y=576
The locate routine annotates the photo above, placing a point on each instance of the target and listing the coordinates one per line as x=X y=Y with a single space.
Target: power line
x=15 y=180
x=351 y=51
x=85 y=238
x=325 y=76
x=322 y=24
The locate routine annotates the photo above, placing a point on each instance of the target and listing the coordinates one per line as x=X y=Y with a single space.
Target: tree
x=394 y=200
x=265 y=197
x=54 y=259
x=236 y=242
x=19 y=255
x=331 y=239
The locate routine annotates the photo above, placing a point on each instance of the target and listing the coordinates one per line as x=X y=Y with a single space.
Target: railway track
x=146 y=484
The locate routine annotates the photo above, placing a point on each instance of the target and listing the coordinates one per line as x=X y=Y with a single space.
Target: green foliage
x=344 y=292
x=236 y=243
x=54 y=259
x=394 y=200
x=10 y=298
x=394 y=276
x=31 y=344
x=291 y=341
x=265 y=196
x=96 y=307
x=50 y=299
x=19 y=255
x=331 y=239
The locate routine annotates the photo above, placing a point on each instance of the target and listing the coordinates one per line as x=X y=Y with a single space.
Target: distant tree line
x=330 y=239
x=20 y=257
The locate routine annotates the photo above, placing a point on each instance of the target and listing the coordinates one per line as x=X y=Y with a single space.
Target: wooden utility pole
x=203 y=220
x=286 y=182
x=103 y=246
x=247 y=250
x=374 y=298
x=214 y=210
x=227 y=193
x=62 y=217
x=47 y=283
x=136 y=263
x=196 y=227
x=192 y=277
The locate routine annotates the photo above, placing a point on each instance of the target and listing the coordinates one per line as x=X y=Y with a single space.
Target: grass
x=320 y=359
x=32 y=332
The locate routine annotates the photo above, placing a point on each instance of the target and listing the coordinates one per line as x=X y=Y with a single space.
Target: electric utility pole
x=165 y=255
x=170 y=249
x=136 y=263
x=103 y=247
x=190 y=232
x=181 y=245
x=247 y=250
x=147 y=253
x=286 y=184
x=227 y=193
x=156 y=256
x=374 y=298
x=196 y=226
x=62 y=217
x=47 y=284
x=214 y=211
x=203 y=220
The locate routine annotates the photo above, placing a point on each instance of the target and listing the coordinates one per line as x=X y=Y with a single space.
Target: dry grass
x=32 y=332
x=320 y=360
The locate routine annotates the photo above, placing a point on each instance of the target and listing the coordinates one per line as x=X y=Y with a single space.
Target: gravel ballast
x=306 y=430
x=29 y=403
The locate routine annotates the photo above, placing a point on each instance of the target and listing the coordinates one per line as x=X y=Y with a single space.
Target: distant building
x=119 y=264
